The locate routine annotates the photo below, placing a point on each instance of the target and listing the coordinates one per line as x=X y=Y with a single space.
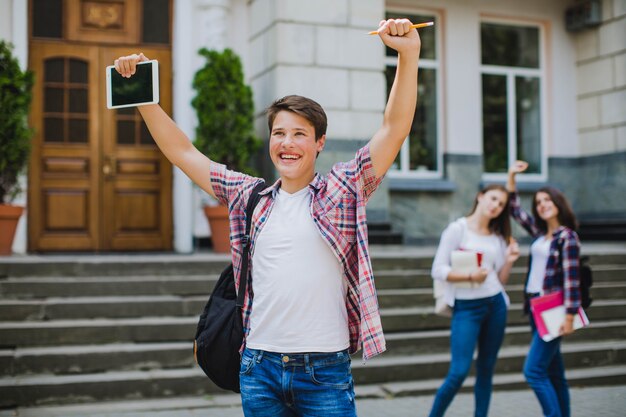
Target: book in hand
x=549 y=314
x=465 y=262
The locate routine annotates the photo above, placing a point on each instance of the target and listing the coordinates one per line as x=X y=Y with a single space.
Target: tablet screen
x=134 y=90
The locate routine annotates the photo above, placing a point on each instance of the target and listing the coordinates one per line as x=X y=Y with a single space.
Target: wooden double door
x=97 y=181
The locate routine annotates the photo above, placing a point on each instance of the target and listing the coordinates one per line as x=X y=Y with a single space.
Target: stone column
x=196 y=24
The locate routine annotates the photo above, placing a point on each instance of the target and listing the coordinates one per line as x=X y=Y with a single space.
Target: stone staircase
x=119 y=328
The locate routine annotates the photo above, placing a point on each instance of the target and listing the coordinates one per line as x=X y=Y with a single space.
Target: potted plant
x=225 y=131
x=15 y=134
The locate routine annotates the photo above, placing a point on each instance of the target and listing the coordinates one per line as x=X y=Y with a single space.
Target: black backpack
x=586 y=282
x=219 y=334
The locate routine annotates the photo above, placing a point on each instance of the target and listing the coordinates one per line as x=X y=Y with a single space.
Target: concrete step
x=156 y=303
x=114 y=265
x=79 y=359
x=101 y=307
x=97 y=331
x=131 y=285
x=583 y=377
x=423 y=318
x=65 y=389
x=432 y=341
x=169 y=328
x=124 y=285
x=40 y=389
x=398 y=257
x=412 y=297
x=76 y=359
x=510 y=359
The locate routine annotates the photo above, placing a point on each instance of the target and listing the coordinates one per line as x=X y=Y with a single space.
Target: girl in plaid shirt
x=554 y=264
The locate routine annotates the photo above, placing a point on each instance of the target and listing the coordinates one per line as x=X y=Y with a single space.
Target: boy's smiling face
x=293 y=149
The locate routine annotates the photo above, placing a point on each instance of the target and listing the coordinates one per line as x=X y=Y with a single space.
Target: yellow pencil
x=417 y=26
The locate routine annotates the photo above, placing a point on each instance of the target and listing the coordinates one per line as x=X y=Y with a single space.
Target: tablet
x=140 y=89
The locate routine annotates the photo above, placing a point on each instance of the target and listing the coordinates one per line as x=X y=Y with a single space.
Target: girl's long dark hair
x=501 y=225
x=566 y=216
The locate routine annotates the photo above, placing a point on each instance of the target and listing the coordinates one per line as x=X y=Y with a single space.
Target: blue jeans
x=545 y=373
x=300 y=384
x=474 y=322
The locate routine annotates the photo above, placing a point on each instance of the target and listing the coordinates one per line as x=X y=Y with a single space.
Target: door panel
x=136 y=181
x=63 y=178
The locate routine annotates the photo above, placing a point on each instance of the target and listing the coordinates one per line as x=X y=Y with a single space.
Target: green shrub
x=225 y=111
x=15 y=134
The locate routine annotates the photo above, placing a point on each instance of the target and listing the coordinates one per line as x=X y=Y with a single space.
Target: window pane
x=156 y=21
x=128 y=111
x=53 y=129
x=78 y=71
x=125 y=132
x=427 y=35
x=48 y=18
x=494 y=123
x=78 y=100
x=509 y=46
x=78 y=130
x=53 y=100
x=423 y=136
x=146 y=137
x=528 y=113
x=54 y=70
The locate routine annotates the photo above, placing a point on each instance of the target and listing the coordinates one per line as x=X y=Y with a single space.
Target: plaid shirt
x=562 y=269
x=338 y=209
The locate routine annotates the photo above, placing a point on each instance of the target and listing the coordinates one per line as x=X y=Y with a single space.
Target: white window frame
x=511 y=73
x=436 y=64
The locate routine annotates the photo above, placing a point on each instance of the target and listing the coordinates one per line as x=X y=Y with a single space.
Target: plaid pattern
x=562 y=269
x=338 y=207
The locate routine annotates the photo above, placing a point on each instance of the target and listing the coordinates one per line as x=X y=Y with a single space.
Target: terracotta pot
x=9 y=216
x=220 y=227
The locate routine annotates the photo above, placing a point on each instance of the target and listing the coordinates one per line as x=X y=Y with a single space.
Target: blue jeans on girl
x=545 y=373
x=299 y=384
x=474 y=322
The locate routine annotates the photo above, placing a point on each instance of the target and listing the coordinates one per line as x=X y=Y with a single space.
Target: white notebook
x=554 y=318
x=465 y=262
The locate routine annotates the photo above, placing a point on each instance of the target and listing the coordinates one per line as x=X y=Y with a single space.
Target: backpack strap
x=245 y=251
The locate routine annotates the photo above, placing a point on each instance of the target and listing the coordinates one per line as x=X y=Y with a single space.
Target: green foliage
x=15 y=134
x=225 y=110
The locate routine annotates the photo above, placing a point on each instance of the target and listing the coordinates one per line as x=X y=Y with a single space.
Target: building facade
x=499 y=81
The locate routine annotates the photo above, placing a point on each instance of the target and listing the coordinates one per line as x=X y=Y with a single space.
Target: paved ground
x=586 y=402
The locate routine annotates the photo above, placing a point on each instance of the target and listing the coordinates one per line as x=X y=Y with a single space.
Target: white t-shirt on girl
x=539 y=250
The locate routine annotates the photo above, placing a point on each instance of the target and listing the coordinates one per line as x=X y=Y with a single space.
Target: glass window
x=495 y=123
x=509 y=46
x=511 y=92
x=420 y=154
x=156 y=21
x=65 y=104
x=47 y=18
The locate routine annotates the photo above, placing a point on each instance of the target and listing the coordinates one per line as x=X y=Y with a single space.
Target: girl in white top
x=477 y=296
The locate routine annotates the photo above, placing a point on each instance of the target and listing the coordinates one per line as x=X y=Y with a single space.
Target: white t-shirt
x=539 y=250
x=299 y=292
x=458 y=236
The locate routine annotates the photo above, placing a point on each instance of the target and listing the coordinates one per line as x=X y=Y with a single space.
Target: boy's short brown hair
x=302 y=106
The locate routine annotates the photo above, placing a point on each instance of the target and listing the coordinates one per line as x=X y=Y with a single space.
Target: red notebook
x=549 y=313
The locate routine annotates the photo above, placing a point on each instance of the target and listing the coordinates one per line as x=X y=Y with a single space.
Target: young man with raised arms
x=311 y=300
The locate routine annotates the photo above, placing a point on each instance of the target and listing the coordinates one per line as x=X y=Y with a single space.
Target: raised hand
x=512 y=251
x=398 y=35
x=126 y=65
x=518 y=167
